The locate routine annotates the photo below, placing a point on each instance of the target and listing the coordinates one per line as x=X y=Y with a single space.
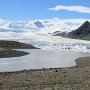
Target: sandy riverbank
x=74 y=78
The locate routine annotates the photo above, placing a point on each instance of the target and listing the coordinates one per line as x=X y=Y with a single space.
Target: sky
x=44 y=9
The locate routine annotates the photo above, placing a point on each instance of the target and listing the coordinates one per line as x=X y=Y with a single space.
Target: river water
x=38 y=59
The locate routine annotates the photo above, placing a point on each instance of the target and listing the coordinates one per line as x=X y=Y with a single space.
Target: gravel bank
x=74 y=78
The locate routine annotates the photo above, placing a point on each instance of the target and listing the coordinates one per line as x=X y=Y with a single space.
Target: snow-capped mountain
x=38 y=26
x=19 y=25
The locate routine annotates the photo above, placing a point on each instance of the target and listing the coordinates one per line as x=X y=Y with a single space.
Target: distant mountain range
x=83 y=32
x=38 y=26
x=52 y=26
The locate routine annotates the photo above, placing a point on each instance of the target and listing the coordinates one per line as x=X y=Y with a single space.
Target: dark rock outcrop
x=38 y=24
x=59 y=33
x=83 y=32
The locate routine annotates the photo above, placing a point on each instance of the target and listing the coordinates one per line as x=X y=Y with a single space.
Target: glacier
x=49 y=42
x=39 y=33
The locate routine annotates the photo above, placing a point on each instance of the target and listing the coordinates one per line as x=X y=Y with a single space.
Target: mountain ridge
x=83 y=32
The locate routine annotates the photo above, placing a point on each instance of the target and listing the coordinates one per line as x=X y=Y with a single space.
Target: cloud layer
x=81 y=9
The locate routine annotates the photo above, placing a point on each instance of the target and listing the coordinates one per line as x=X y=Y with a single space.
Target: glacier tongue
x=47 y=41
x=56 y=42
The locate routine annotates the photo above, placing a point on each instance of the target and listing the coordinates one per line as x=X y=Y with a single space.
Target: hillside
x=6 y=49
x=83 y=32
x=15 y=45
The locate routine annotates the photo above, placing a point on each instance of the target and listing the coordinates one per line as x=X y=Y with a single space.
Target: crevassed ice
x=48 y=41
x=57 y=43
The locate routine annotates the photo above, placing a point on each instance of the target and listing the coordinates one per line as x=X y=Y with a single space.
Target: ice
x=56 y=42
x=41 y=36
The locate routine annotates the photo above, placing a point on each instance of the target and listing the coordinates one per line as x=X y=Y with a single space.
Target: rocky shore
x=74 y=78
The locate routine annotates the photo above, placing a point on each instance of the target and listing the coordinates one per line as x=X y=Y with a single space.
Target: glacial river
x=38 y=59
